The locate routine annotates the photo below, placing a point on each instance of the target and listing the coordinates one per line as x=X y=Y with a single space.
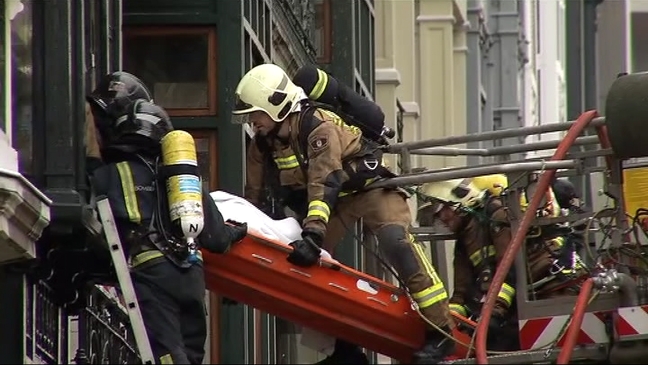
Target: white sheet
x=285 y=231
x=238 y=209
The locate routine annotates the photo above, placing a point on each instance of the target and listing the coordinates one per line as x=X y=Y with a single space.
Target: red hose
x=520 y=234
x=577 y=320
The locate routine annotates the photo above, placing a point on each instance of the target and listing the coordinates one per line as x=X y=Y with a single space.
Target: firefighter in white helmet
x=473 y=210
x=331 y=165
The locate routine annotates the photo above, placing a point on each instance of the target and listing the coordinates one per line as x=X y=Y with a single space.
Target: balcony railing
x=103 y=334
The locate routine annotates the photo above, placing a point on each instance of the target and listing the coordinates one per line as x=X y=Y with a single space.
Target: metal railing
x=515 y=170
x=105 y=334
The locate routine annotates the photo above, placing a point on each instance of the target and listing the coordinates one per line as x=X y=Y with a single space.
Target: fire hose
x=509 y=255
x=577 y=320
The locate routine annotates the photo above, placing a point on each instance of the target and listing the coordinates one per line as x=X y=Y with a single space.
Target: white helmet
x=267 y=88
x=457 y=191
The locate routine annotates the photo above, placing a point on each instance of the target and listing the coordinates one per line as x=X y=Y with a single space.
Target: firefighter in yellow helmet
x=480 y=221
x=474 y=211
x=319 y=156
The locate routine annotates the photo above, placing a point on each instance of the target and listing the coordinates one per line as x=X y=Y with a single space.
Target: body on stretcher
x=329 y=298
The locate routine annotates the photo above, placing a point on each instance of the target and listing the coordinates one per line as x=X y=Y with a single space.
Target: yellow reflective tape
x=478 y=255
x=285 y=163
x=427 y=265
x=558 y=241
x=166 y=359
x=506 y=294
x=458 y=308
x=430 y=296
x=128 y=189
x=318 y=208
x=337 y=120
x=320 y=86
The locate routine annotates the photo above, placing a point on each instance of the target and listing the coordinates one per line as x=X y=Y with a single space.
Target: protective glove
x=238 y=230
x=306 y=252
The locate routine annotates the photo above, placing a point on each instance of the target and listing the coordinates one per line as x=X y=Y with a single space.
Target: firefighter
x=122 y=163
x=474 y=211
x=480 y=224
x=325 y=160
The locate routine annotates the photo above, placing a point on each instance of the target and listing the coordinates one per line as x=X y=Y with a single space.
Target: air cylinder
x=184 y=188
x=626 y=115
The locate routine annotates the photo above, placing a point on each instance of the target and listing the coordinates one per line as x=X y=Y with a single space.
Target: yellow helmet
x=267 y=88
x=495 y=183
x=457 y=191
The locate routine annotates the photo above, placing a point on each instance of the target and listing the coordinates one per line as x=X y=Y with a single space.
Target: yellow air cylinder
x=184 y=188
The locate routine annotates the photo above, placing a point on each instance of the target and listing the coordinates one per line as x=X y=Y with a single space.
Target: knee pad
x=395 y=245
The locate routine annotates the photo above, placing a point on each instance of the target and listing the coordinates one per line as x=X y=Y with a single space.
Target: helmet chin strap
x=274 y=132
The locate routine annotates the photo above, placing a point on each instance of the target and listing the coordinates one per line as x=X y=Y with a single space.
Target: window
x=323 y=30
x=16 y=61
x=206 y=149
x=177 y=63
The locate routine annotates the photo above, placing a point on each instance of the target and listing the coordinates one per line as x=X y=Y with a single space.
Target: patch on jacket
x=319 y=143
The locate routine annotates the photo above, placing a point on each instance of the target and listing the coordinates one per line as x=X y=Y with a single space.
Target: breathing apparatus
x=183 y=188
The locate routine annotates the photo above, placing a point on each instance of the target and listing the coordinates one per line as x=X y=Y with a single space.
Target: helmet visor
x=241 y=111
x=240 y=119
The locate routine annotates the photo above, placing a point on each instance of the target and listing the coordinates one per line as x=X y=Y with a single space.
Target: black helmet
x=111 y=100
x=565 y=192
x=120 y=87
x=141 y=129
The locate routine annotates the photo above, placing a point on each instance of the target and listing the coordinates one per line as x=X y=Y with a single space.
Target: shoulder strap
x=307 y=125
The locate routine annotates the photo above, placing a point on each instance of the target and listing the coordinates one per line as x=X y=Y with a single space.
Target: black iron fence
x=105 y=335
x=99 y=334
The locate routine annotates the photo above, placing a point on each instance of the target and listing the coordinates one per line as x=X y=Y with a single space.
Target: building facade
x=191 y=54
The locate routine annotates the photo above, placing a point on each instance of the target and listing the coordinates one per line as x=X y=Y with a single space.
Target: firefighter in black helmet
x=128 y=128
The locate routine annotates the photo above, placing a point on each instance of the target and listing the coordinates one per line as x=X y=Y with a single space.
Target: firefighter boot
x=499 y=334
x=435 y=348
x=345 y=353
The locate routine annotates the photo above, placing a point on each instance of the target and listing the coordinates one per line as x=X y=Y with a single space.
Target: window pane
x=174 y=66
x=318 y=34
x=20 y=15
x=204 y=162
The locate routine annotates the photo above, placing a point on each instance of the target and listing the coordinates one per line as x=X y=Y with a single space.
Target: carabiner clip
x=556 y=269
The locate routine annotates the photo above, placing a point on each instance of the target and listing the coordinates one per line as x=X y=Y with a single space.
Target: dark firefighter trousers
x=385 y=213
x=172 y=302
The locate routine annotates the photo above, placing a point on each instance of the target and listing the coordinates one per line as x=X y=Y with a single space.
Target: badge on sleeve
x=318 y=143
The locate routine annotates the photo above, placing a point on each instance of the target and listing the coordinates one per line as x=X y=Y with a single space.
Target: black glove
x=238 y=230
x=306 y=252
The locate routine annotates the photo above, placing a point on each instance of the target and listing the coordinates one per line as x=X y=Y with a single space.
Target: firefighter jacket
x=480 y=246
x=324 y=157
x=131 y=189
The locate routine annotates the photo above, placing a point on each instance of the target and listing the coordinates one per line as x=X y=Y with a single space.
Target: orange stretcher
x=330 y=298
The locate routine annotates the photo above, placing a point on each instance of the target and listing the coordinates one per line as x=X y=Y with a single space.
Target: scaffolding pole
x=466 y=172
x=485 y=136
x=503 y=150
